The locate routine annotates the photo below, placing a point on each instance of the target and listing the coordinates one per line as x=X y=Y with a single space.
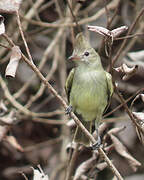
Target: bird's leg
x=96 y=146
x=68 y=110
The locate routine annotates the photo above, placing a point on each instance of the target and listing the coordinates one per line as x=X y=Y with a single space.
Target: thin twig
x=125 y=40
x=108 y=26
x=42 y=62
x=113 y=4
x=12 y=100
x=72 y=163
x=74 y=17
x=2 y=45
x=31 y=13
x=126 y=101
x=129 y=36
x=24 y=176
x=107 y=12
x=49 y=121
x=126 y=107
x=42 y=144
x=22 y=35
x=42 y=87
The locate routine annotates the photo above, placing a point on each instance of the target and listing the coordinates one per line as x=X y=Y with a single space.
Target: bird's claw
x=68 y=109
x=97 y=145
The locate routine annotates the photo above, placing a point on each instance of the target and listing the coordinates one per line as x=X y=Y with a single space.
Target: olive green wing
x=69 y=82
x=109 y=85
x=109 y=88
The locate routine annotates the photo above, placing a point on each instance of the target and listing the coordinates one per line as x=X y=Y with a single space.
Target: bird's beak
x=74 y=57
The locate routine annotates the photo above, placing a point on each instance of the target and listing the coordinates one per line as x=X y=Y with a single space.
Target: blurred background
x=44 y=135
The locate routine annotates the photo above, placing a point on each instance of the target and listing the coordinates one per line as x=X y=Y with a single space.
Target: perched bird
x=88 y=87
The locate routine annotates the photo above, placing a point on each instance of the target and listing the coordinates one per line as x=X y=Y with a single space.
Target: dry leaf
x=121 y=150
x=9 y=6
x=137 y=97
x=139 y=117
x=142 y=97
x=116 y=32
x=116 y=130
x=2 y=26
x=12 y=140
x=102 y=166
x=105 y=32
x=101 y=30
x=128 y=72
x=13 y=63
x=109 y=35
x=84 y=167
x=39 y=174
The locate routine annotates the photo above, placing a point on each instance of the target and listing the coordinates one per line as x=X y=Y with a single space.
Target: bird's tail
x=80 y=137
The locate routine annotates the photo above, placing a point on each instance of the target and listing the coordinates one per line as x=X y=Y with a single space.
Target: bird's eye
x=86 y=53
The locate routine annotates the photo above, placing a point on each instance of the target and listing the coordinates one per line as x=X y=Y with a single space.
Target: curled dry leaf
x=2 y=26
x=13 y=63
x=139 y=117
x=101 y=30
x=107 y=33
x=38 y=174
x=137 y=97
x=121 y=150
x=116 y=32
x=128 y=72
x=12 y=140
x=9 y=6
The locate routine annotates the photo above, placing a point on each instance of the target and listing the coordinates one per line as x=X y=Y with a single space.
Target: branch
x=77 y=121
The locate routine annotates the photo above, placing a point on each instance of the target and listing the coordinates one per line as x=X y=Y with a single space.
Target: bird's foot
x=97 y=145
x=68 y=110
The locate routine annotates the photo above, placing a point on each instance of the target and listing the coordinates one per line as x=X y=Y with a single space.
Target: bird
x=88 y=87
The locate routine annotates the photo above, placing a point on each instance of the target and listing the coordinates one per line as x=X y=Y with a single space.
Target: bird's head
x=83 y=53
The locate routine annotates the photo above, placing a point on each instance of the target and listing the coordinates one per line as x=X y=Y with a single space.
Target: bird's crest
x=81 y=43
